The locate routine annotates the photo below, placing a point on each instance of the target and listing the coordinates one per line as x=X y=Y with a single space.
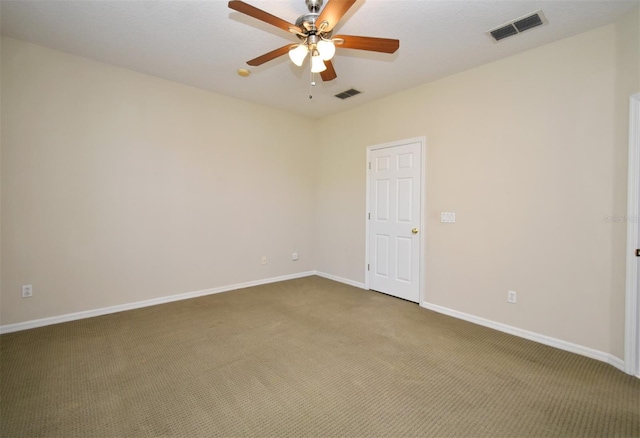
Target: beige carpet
x=307 y=357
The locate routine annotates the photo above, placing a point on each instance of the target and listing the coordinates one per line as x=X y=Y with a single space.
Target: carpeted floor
x=306 y=357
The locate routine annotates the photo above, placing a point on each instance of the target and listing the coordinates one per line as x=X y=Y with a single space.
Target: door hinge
x=637 y=252
x=369 y=164
x=368 y=267
x=369 y=216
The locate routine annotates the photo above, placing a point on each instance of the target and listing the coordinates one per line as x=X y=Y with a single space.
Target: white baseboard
x=546 y=340
x=9 y=328
x=532 y=336
x=542 y=339
x=341 y=280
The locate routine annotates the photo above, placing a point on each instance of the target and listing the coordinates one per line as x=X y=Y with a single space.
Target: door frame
x=632 y=294
x=423 y=198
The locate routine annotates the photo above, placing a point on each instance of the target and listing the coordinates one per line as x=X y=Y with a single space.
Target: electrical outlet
x=512 y=297
x=294 y=256
x=263 y=260
x=27 y=290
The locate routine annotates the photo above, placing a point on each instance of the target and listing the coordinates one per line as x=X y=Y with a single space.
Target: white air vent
x=519 y=25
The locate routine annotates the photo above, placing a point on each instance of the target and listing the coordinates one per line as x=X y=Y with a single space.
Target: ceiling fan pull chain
x=312 y=83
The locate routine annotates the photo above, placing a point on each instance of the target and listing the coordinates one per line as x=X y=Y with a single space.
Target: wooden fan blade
x=384 y=45
x=271 y=55
x=261 y=15
x=329 y=74
x=333 y=12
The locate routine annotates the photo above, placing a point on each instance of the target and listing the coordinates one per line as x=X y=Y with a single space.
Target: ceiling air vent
x=346 y=94
x=514 y=27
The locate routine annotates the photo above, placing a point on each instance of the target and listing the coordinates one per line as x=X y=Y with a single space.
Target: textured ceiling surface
x=204 y=43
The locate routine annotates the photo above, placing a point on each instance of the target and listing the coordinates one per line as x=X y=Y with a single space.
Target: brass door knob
x=415 y=231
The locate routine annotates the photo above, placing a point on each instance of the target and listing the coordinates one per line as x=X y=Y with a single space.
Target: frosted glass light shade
x=326 y=49
x=317 y=64
x=298 y=53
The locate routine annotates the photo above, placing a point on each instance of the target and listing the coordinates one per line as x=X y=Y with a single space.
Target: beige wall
x=627 y=52
x=119 y=187
x=530 y=154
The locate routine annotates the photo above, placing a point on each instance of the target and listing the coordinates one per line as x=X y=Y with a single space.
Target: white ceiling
x=203 y=43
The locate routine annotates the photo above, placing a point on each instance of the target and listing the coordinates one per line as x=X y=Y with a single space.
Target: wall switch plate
x=294 y=256
x=27 y=290
x=263 y=260
x=448 y=217
x=512 y=296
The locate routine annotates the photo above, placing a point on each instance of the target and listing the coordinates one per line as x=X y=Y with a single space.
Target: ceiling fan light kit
x=317 y=64
x=322 y=50
x=298 y=53
x=327 y=49
x=315 y=29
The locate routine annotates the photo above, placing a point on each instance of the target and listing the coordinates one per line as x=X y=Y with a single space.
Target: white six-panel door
x=394 y=220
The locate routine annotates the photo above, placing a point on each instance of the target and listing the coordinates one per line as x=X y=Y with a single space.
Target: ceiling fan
x=314 y=30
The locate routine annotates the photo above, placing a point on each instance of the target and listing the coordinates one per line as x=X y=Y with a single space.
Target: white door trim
x=632 y=299
x=423 y=198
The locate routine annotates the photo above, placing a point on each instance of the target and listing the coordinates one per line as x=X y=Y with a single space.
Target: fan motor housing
x=310 y=19
x=307 y=23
